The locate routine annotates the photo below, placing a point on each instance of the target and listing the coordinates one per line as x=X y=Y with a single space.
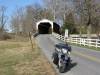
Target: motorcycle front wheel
x=62 y=68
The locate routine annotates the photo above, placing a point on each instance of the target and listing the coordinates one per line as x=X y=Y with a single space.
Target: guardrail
x=80 y=41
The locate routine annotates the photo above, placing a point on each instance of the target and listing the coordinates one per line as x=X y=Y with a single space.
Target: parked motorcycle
x=61 y=56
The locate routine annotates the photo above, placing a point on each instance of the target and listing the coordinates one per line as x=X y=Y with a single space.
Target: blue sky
x=11 y=5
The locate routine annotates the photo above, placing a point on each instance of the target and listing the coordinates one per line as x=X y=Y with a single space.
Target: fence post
x=76 y=40
x=80 y=41
x=70 y=40
x=89 y=42
x=84 y=42
x=96 y=43
x=30 y=37
x=64 y=39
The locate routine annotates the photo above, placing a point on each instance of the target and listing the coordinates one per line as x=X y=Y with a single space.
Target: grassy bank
x=92 y=48
x=17 y=58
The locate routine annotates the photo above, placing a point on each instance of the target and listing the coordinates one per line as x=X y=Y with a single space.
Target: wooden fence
x=80 y=41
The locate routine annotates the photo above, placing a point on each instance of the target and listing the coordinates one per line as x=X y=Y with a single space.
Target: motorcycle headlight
x=64 y=51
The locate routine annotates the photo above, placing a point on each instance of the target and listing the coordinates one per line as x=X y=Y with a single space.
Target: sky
x=11 y=5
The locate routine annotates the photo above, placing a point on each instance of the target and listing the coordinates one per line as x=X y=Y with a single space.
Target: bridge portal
x=47 y=27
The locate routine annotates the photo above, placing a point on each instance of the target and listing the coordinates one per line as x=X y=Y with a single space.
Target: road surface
x=84 y=61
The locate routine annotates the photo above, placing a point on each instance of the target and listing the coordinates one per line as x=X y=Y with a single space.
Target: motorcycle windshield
x=60 y=46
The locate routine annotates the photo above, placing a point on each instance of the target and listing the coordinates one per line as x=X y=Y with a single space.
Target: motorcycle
x=61 y=57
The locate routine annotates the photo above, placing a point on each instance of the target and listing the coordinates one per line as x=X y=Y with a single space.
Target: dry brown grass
x=22 y=60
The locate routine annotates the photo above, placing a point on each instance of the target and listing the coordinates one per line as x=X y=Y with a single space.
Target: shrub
x=4 y=36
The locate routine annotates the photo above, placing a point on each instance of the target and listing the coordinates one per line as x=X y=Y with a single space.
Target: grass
x=92 y=48
x=17 y=58
x=9 y=46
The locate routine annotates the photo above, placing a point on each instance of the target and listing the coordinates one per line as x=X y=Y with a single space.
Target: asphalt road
x=84 y=61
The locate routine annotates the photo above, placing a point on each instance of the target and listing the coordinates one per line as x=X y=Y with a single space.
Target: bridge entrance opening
x=44 y=28
x=56 y=28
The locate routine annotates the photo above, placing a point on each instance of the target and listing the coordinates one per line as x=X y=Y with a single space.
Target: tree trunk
x=89 y=31
x=80 y=31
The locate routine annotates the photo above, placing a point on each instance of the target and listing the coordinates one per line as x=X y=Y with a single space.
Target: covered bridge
x=46 y=26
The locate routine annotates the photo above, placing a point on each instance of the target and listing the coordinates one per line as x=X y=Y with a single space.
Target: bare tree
x=86 y=10
x=34 y=14
x=79 y=10
x=3 y=17
x=16 y=21
x=24 y=19
x=69 y=24
x=58 y=8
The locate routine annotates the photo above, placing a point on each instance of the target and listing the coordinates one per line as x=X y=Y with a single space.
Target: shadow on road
x=73 y=64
